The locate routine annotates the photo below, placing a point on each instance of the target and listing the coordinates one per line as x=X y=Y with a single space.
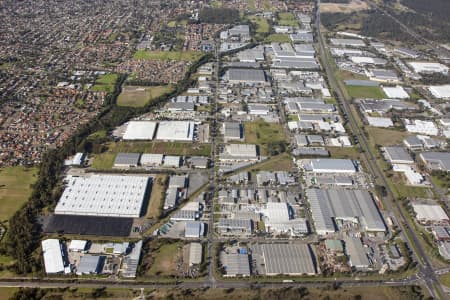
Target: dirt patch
x=355 y=5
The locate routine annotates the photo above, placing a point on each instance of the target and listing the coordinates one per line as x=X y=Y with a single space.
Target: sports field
x=15 y=189
x=138 y=96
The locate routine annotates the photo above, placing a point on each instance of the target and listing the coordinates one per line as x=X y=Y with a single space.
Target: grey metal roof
x=398 y=154
x=290 y=259
x=247 y=75
x=89 y=264
x=236 y=264
x=131 y=159
x=437 y=160
x=233 y=130
x=235 y=223
x=131 y=261
x=356 y=252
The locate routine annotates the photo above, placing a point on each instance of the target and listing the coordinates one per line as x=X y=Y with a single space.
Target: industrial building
x=195 y=254
x=237 y=227
x=329 y=165
x=246 y=76
x=151 y=160
x=140 y=130
x=182 y=131
x=127 y=160
x=395 y=92
x=356 y=253
x=440 y=91
x=104 y=195
x=430 y=213
x=436 y=161
x=421 y=126
x=131 y=261
x=77 y=245
x=235 y=264
x=288 y=259
x=383 y=106
x=334 y=207
x=348 y=42
x=233 y=131
x=397 y=155
x=428 y=67
x=90 y=264
x=382 y=75
x=236 y=152
x=53 y=256
x=380 y=122
x=194 y=229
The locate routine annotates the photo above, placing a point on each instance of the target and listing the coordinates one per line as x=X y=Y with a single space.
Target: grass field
x=251 y=5
x=287 y=19
x=385 y=137
x=263 y=133
x=277 y=38
x=167 y=55
x=292 y=118
x=15 y=189
x=6 y=293
x=105 y=160
x=164 y=260
x=105 y=83
x=136 y=96
x=373 y=92
x=282 y=162
x=156 y=197
x=344 y=152
x=262 y=25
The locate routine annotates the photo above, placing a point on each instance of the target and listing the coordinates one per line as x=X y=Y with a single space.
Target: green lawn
x=263 y=133
x=105 y=160
x=374 y=92
x=15 y=189
x=105 y=83
x=277 y=38
x=262 y=25
x=168 y=55
x=164 y=262
x=282 y=162
x=385 y=137
x=251 y=5
x=292 y=118
x=344 y=152
x=445 y=279
x=287 y=19
x=136 y=96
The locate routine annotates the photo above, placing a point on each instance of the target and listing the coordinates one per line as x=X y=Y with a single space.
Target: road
x=426 y=271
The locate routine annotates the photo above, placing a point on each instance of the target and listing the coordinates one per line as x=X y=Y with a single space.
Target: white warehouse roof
x=140 y=130
x=104 y=195
x=396 y=92
x=440 y=91
x=175 y=131
x=430 y=212
x=428 y=67
x=53 y=259
x=331 y=165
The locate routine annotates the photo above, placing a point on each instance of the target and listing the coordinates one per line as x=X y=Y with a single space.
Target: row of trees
x=24 y=232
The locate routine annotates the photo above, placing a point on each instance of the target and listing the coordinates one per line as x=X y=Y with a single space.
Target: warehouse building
x=233 y=131
x=53 y=256
x=131 y=261
x=151 y=160
x=329 y=165
x=140 y=130
x=237 y=152
x=430 y=213
x=77 y=245
x=348 y=42
x=440 y=91
x=127 y=160
x=182 y=131
x=195 y=254
x=380 y=122
x=104 y=195
x=395 y=92
x=90 y=264
x=246 y=76
x=397 y=155
x=428 y=67
x=235 y=264
x=382 y=75
x=356 y=254
x=237 y=227
x=194 y=229
x=335 y=207
x=436 y=161
x=288 y=259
